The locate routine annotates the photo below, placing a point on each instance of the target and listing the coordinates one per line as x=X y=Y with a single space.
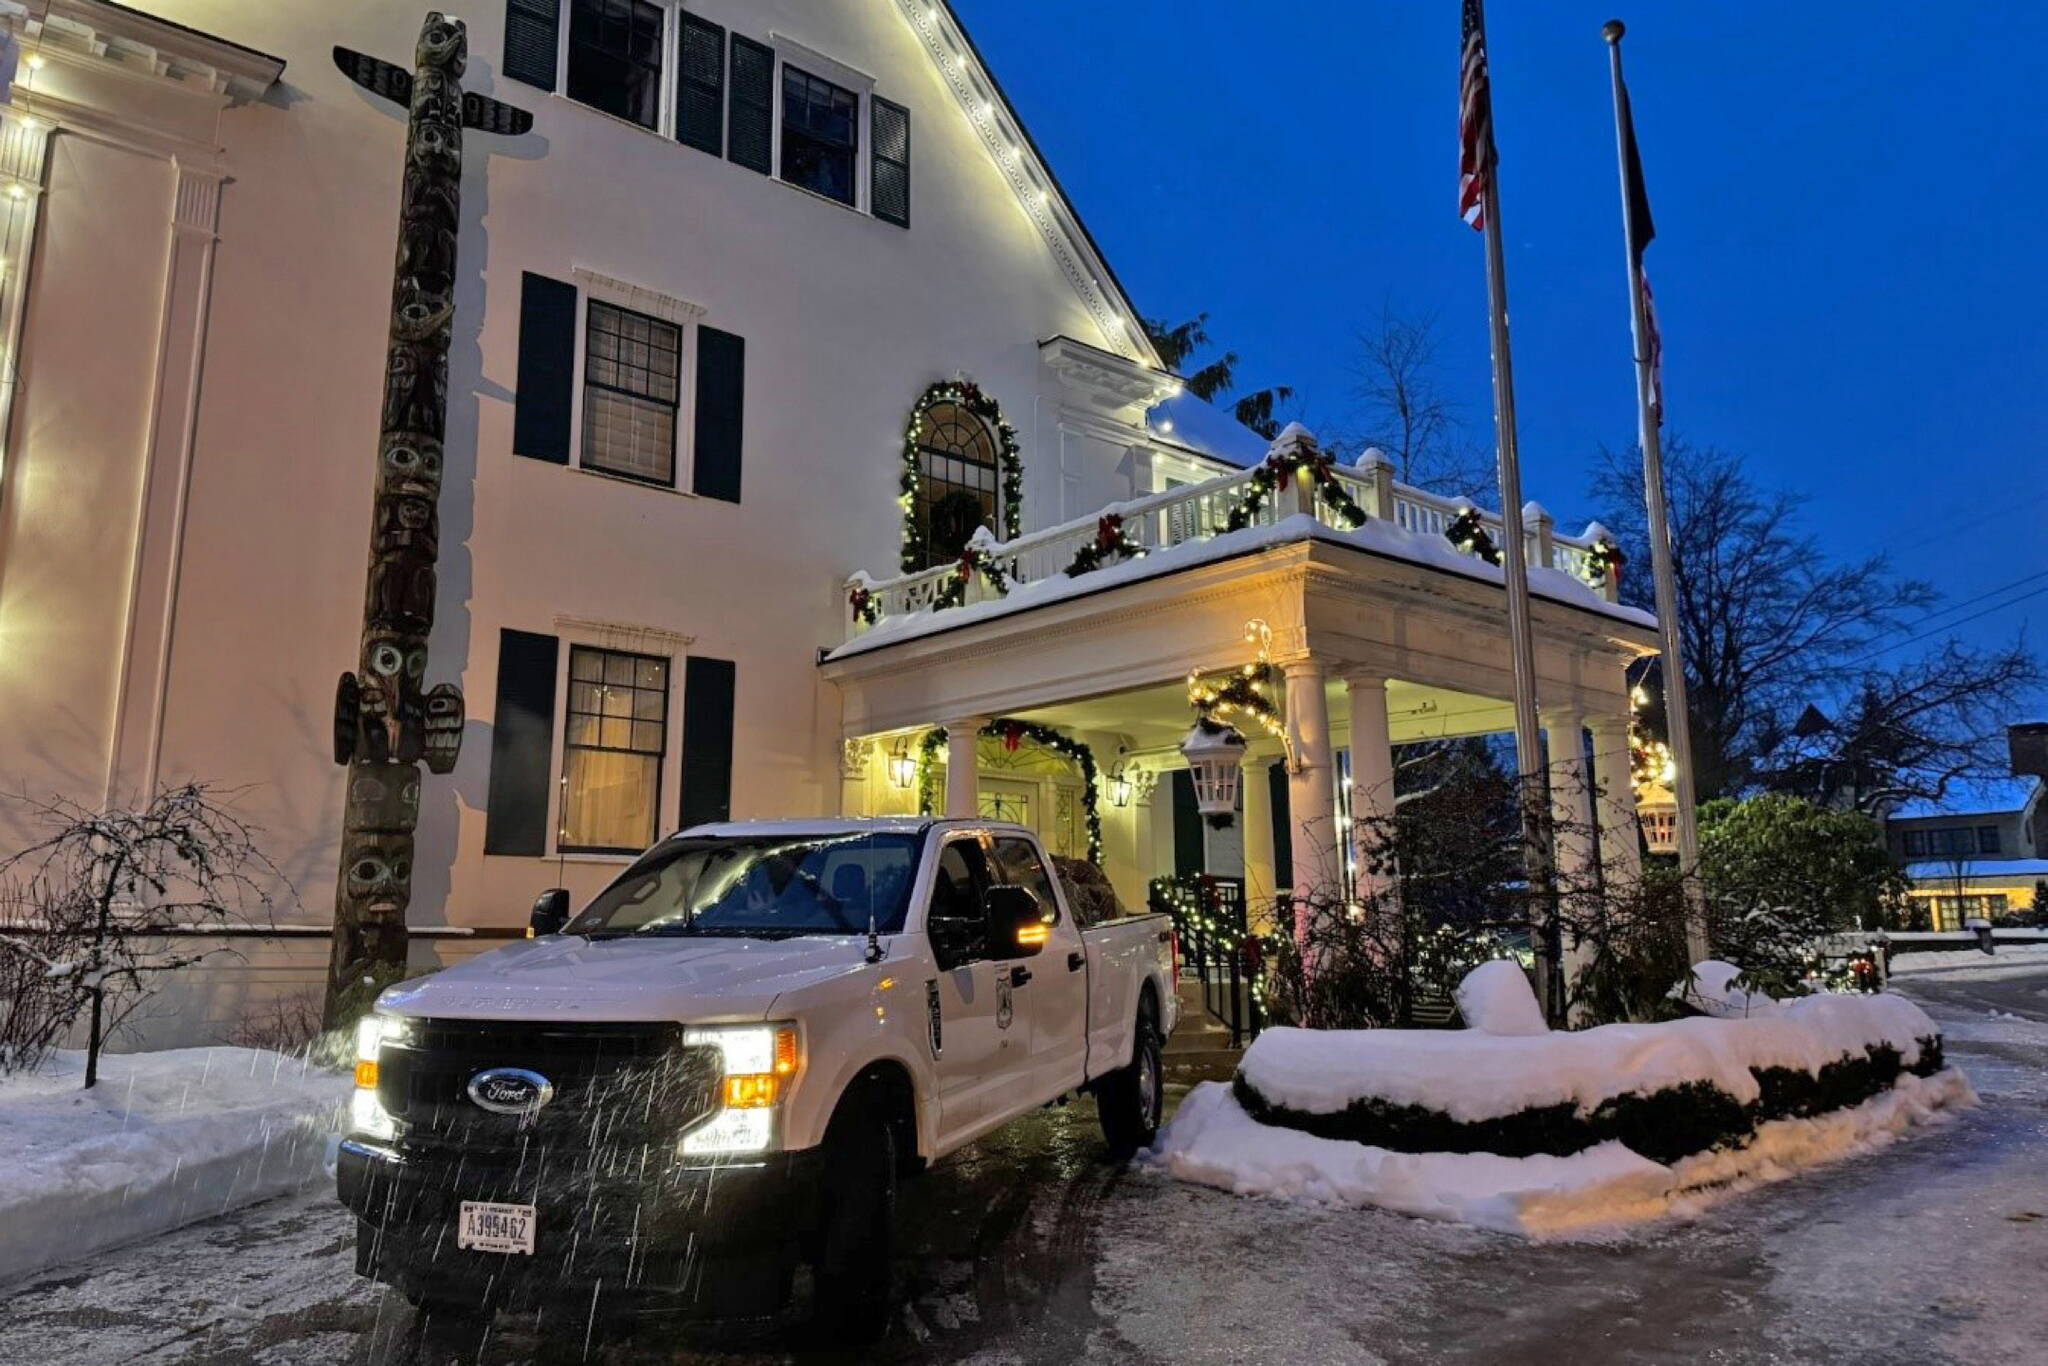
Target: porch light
x=1119 y=786
x=1215 y=755
x=902 y=768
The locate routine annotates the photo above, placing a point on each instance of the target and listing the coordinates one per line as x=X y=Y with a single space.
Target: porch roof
x=1377 y=537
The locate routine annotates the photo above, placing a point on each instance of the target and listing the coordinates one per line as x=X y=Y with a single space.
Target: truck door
x=977 y=1041
x=1053 y=995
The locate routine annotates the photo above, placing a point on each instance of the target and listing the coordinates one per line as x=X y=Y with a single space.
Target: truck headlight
x=367 y=1114
x=760 y=1063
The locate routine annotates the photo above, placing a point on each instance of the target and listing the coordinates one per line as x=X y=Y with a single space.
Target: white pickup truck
x=719 y=1069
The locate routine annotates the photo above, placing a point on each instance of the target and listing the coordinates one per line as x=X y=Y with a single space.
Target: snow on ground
x=2011 y=960
x=164 y=1139
x=1471 y=1075
x=1213 y=1142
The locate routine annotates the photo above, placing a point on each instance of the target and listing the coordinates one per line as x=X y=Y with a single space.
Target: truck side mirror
x=550 y=912
x=1018 y=923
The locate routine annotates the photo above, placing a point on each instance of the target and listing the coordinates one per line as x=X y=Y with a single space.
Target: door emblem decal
x=1005 y=1006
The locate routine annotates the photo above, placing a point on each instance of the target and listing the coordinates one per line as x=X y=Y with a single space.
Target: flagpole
x=1648 y=420
x=1532 y=786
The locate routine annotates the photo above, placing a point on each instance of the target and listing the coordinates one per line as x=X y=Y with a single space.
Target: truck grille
x=619 y=1091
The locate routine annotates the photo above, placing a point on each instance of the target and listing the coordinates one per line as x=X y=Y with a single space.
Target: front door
x=976 y=1037
x=1053 y=993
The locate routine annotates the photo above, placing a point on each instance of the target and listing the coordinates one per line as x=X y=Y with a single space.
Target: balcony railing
x=1199 y=512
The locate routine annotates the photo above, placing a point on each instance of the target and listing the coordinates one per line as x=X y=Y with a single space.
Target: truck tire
x=854 y=1267
x=1129 y=1099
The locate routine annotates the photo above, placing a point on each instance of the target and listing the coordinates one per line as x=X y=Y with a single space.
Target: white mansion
x=786 y=389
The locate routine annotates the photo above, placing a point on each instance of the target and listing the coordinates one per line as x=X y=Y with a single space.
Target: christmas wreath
x=1111 y=543
x=1009 y=461
x=1014 y=732
x=1468 y=532
x=1271 y=475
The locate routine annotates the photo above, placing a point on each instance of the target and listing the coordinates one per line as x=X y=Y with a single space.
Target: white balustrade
x=1198 y=512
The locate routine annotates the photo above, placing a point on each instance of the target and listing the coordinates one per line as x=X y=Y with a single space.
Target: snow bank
x=1212 y=1141
x=164 y=1140
x=1471 y=1076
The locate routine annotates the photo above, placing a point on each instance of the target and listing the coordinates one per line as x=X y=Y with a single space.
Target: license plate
x=487 y=1227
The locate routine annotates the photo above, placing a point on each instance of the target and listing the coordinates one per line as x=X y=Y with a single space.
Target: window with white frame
x=632 y=389
x=614 y=738
x=820 y=135
x=616 y=49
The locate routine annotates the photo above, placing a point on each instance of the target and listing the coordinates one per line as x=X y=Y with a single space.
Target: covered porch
x=1382 y=636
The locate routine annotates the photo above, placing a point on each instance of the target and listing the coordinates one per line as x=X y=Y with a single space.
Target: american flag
x=1475 y=121
x=1642 y=230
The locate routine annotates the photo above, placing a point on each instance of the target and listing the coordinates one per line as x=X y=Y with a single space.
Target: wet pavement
x=1030 y=1248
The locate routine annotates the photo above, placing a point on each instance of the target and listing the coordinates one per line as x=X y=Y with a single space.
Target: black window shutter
x=707 y=740
x=547 y=369
x=889 y=182
x=700 y=86
x=522 y=745
x=1283 y=837
x=1190 y=856
x=531 y=27
x=751 y=140
x=721 y=400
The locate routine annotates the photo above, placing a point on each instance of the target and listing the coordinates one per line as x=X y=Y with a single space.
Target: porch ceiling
x=1155 y=718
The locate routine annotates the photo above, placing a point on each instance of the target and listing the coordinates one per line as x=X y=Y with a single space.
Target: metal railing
x=1216 y=948
x=1199 y=512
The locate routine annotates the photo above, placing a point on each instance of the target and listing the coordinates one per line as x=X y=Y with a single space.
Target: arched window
x=959 y=483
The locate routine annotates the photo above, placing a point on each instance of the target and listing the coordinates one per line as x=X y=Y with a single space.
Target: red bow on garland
x=1109 y=529
x=1013 y=734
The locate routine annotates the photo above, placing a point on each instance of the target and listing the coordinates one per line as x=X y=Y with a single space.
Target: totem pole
x=385 y=720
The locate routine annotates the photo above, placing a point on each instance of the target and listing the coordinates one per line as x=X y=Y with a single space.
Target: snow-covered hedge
x=1663 y=1090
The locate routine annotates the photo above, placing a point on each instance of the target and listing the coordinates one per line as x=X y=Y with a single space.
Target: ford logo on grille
x=510 y=1090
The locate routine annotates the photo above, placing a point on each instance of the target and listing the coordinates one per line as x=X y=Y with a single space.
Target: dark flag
x=1641 y=231
x=1475 y=121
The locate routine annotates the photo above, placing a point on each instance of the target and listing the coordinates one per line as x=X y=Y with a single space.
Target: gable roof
x=989 y=111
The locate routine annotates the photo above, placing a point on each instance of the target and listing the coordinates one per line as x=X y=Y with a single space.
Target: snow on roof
x=1377 y=536
x=1991 y=797
x=1934 y=870
x=1202 y=426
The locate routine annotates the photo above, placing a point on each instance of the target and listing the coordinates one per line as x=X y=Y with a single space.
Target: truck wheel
x=854 y=1267
x=1129 y=1098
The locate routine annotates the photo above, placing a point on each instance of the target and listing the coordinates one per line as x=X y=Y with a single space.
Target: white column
x=963 y=778
x=1311 y=788
x=1259 y=875
x=1573 y=837
x=1621 y=854
x=1372 y=774
x=143 y=680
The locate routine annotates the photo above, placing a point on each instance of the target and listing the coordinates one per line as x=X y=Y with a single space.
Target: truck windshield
x=759 y=885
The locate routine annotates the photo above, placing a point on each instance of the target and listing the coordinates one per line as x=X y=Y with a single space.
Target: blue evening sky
x=1849 y=263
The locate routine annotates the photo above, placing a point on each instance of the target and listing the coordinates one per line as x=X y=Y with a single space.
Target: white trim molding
x=1038 y=193
x=639 y=298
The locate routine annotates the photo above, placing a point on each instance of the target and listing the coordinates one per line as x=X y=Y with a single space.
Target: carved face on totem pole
x=443 y=45
x=402 y=553
x=376 y=869
x=415 y=385
x=411 y=465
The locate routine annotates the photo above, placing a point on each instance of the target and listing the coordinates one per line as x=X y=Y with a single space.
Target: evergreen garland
x=1271 y=475
x=861 y=599
x=1604 y=561
x=973 y=560
x=1008 y=459
x=1013 y=732
x=1111 y=543
x=1241 y=693
x=1468 y=532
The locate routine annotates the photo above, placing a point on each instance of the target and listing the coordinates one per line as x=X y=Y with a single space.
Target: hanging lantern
x=1119 y=786
x=902 y=768
x=1215 y=755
